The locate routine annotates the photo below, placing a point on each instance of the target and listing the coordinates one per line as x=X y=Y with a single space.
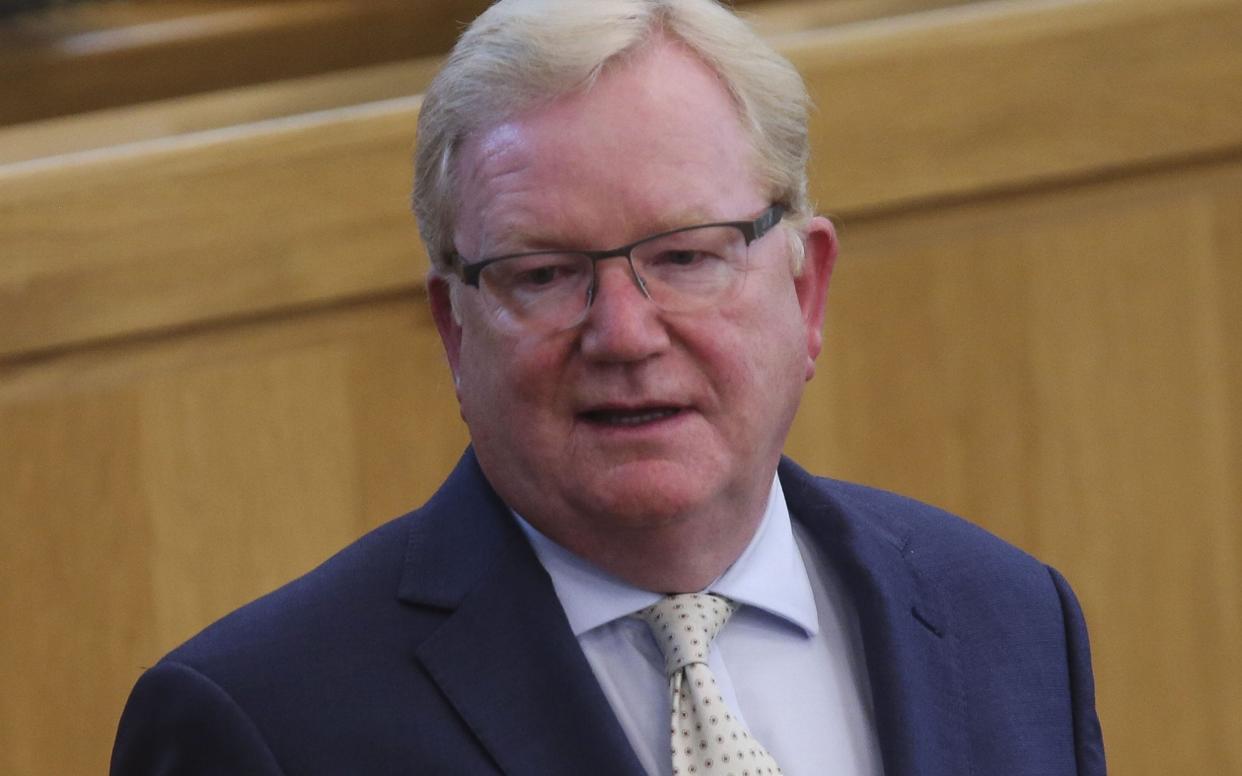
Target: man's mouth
x=629 y=417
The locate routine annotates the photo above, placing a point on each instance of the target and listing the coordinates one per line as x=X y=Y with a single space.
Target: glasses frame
x=751 y=231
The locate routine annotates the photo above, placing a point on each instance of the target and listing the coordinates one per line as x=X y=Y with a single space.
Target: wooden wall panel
x=147 y=489
x=215 y=366
x=990 y=96
x=223 y=107
x=100 y=56
x=298 y=211
x=220 y=438
x=75 y=605
x=95 y=56
x=972 y=99
x=215 y=110
x=1060 y=367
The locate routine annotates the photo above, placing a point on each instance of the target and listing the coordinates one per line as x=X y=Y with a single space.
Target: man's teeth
x=634 y=417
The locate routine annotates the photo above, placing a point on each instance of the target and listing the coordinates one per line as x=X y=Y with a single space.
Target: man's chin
x=647 y=493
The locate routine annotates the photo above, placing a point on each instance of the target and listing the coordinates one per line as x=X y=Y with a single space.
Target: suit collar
x=507 y=661
x=910 y=650
x=769 y=575
x=454 y=538
x=505 y=656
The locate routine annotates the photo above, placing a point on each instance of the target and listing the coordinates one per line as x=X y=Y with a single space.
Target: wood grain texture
x=102 y=55
x=258 y=102
x=1061 y=367
x=147 y=489
x=950 y=103
x=1033 y=323
x=215 y=110
x=995 y=96
x=778 y=17
x=75 y=599
x=232 y=223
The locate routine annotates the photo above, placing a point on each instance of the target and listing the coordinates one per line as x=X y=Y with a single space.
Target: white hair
x=522 y=53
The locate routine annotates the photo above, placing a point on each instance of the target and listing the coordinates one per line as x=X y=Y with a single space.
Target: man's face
x=636 y=418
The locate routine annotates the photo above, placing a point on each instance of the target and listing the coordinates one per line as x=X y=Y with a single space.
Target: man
x=627 y=407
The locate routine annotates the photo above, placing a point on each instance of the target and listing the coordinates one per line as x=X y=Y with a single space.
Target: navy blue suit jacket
x=436 y=644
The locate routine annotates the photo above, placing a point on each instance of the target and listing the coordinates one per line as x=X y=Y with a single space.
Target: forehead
x=656 y=142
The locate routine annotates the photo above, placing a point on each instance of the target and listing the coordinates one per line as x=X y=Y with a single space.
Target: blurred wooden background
x=216 y=366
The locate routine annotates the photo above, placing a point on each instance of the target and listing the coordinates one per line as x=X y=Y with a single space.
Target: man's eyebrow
x=680 y=219
x=522 y=240
x=515 y=235
x=672 y=221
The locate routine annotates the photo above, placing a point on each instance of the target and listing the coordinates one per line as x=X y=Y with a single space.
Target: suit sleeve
x=1088 y=739
x=180 y=723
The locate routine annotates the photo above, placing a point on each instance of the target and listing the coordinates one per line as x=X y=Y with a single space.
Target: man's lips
x=630 y=416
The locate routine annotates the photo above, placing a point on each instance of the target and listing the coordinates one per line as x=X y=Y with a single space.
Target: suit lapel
x=509 y=664
x=911 y=655
x=505 y=657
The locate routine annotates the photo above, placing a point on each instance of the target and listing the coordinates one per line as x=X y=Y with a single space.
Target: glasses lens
x=692 y=268
x=541 y=288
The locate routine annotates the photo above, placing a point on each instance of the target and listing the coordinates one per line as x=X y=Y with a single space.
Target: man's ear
x=440 y=295
x=811 y=285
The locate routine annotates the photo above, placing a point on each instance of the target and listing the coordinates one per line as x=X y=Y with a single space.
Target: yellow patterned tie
x=707 y=739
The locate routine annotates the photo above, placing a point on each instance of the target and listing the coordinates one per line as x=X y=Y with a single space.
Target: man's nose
x=622 y=324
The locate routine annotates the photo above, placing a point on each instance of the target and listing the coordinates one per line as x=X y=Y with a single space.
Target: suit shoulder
x=921 y=526
x=354 y=589
x=940 y=545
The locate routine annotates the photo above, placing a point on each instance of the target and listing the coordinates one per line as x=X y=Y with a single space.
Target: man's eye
x=540 y=276
x=543 y=276
x=684 y=258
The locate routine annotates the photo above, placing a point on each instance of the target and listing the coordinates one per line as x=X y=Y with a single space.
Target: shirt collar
x=769 y=575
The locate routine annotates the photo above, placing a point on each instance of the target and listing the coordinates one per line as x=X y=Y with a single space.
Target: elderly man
x=630 y=286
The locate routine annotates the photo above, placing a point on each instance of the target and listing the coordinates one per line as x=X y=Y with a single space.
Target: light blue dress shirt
x=789 y=661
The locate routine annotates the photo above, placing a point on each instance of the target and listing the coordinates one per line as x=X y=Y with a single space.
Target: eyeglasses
x=681 y=270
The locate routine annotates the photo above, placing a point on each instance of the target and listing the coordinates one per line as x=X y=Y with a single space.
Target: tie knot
x=684 y=626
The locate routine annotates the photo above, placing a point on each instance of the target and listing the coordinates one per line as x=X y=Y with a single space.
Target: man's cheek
x=535 y=372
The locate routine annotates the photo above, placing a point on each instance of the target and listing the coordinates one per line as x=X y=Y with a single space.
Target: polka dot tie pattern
x=707 y=739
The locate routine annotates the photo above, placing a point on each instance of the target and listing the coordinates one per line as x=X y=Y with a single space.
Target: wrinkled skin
x=667 y=499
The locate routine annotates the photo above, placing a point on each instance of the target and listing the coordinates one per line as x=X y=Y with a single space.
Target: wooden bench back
x=216 y=366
